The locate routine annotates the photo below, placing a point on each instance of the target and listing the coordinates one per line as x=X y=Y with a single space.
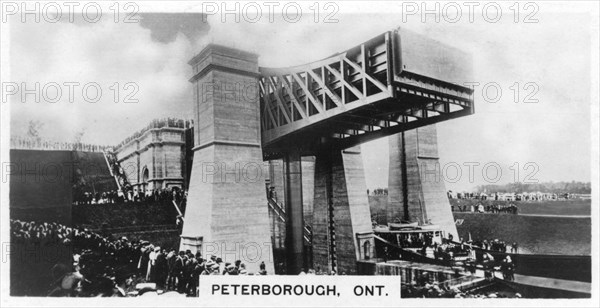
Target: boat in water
x=429 y=244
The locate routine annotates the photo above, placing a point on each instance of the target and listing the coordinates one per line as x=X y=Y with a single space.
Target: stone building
x=155 y=156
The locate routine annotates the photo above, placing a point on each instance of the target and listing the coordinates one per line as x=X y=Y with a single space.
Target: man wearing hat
x=208 y=266
x=215 y=269
x=196 y=272
x=189 y=268
x=221 y=264
x=230 y=269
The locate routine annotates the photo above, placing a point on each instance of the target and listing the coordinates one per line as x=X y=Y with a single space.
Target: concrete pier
x=416 y=189
x=293 y=208
x=227 y=208
x=342 y=232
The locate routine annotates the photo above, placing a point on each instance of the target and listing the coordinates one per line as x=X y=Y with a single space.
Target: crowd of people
x=490 y=208
x=510 y=196
x=104 y=266
x=40 y=233
x=426 y=287
x=28 y=143
x=497 y=245
x=134 y=195
x=86 y=197
x=181 y=271
x=447 y=251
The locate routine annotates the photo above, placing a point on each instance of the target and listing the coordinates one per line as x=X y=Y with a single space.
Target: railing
x=110 y=169
x=280 y=211
x=117 y=173
x=277 y=208
x=178 y=211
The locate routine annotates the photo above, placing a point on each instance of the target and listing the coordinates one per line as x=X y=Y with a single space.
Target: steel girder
x=364 y=93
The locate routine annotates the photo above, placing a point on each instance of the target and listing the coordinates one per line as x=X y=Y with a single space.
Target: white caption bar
x=305 y=290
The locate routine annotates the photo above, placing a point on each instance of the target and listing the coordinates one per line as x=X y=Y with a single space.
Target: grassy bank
x=534 y=234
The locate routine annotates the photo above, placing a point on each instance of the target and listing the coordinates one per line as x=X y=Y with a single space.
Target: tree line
x=572 y=187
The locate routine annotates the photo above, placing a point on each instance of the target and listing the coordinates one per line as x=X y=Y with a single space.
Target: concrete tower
x=226 y=211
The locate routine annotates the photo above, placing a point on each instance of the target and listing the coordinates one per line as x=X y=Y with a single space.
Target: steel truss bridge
x=397 y=81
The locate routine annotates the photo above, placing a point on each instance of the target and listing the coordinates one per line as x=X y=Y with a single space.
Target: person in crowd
x=488 y=266
x=507 y=267
x=151 y=262
x=161 y=269
x=196 y=272
x=179 y=274
x=188 y=273
x=171 y=280
x=480 y=208
x=262 y=269
x=143 y=261
x=273 y=193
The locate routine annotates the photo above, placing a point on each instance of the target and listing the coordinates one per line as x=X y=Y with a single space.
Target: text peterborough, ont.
x=293 y=290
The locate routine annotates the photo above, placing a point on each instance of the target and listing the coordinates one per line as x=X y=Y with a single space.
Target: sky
x=548 y=61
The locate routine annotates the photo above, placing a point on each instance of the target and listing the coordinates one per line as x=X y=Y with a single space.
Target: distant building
x=156 y=156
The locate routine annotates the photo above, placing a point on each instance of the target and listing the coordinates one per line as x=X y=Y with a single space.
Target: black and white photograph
x=341 y=153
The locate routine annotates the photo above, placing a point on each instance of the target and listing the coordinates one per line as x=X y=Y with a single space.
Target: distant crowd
x=490 y=208
x=27 y=143
x=503 y=196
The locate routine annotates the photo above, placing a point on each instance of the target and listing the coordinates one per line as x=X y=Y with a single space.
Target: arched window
x=367 y=250
x=145 y=175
